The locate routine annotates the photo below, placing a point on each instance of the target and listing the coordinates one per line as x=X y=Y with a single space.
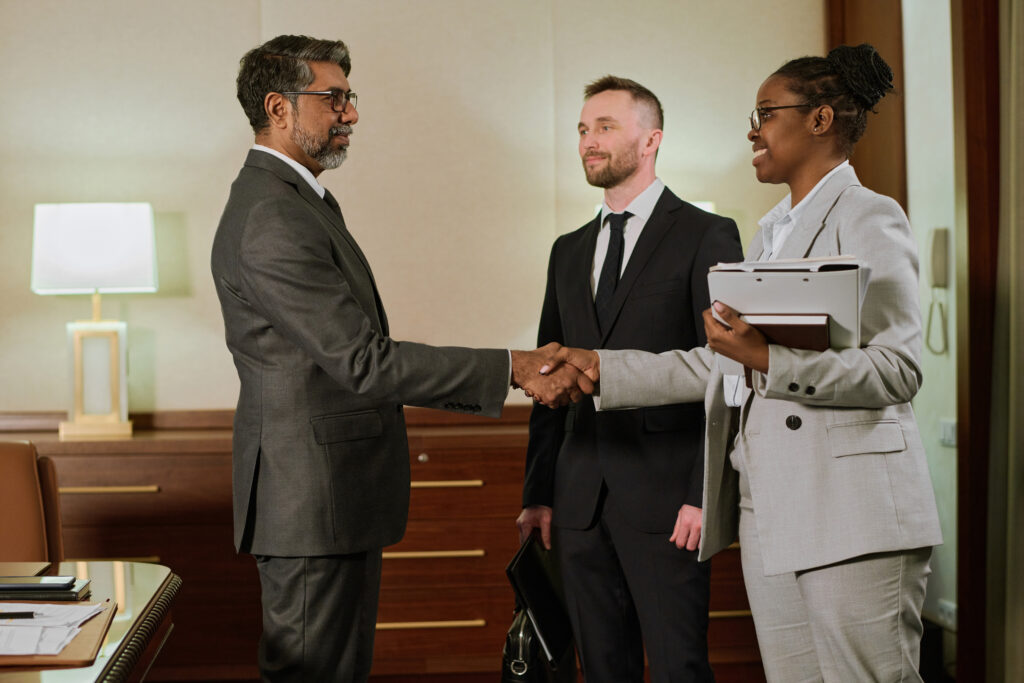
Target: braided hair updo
x=851 y=80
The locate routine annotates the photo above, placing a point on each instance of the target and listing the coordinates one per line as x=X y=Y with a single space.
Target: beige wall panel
x=449 y=184
x=704 y=61
x=121 y=101
x=462 y=169
x=932 y=203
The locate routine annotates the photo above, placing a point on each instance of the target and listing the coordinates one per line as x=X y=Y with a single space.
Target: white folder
x=833 y=285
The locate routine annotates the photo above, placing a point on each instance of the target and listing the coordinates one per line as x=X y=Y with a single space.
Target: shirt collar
x=784 y=208
x=299 y=168
x=642 y=205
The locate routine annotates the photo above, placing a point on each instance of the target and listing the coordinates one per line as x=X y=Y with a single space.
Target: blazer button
x=793 y=422
x=793 y=386
x=809 y=391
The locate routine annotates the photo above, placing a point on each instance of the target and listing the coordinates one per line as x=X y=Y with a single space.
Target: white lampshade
x=99 y=247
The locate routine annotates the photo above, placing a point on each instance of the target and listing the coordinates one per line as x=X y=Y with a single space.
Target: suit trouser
x=319 y=617
x=627 y=590
x=856 y=620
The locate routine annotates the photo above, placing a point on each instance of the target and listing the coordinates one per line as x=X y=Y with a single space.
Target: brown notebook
x=795 y=330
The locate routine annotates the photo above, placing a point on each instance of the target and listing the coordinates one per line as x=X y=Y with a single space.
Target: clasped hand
x=735 y=339
x=551 y=384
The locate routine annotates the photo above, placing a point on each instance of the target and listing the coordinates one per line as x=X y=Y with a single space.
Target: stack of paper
x=52 y=628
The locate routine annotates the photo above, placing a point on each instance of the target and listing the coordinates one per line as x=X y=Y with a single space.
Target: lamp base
x=70 y=431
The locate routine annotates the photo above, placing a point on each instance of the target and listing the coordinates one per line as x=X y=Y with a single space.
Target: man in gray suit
x=320 y=461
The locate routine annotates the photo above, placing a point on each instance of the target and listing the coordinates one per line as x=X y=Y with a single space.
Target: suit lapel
x=287 y=174
x=812 y=220
x=580 y=268
x=654 y=231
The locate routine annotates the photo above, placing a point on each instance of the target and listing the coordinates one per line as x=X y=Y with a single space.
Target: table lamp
x=94 y=249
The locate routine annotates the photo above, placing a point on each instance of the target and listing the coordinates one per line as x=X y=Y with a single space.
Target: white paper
x=49 y=632
x=19 y=640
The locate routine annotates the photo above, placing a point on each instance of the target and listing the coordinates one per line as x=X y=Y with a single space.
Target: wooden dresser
x=165 y=496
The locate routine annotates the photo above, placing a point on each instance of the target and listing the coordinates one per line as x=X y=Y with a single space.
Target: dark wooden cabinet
x=164 y=496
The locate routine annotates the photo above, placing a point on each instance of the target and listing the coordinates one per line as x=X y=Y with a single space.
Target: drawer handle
x=449 y=484
x=429 y=554
x=150 y=488
x=455 y=623
x=728 y=613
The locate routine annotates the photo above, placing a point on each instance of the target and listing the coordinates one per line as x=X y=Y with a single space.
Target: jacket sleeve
x=546 y=424
x=636 y=379
x=886 y=369
x=289 y=276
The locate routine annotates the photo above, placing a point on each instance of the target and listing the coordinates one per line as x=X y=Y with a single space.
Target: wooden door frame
x=976 y=61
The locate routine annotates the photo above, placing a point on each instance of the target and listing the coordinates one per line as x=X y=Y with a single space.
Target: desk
x=144 y=594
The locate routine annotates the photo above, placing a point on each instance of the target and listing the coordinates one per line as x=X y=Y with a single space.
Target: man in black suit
x=320 y=462
x=623 y=488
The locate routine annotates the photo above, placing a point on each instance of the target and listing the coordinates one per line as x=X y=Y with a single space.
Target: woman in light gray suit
x=819 y=467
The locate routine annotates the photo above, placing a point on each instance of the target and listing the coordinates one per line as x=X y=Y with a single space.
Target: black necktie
x=609 y=277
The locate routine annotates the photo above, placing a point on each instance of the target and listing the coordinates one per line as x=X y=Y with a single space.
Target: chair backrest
x=30 y=524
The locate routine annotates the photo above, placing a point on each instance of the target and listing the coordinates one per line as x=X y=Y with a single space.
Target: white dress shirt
x=299 y=168
x=776 y=226
x=641 y=207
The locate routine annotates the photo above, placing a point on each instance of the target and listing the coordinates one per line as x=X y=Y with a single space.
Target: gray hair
x=282 y=65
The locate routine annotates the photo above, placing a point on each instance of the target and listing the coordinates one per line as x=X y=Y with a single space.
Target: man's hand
x=743 y=343
x=687 y=531
x=535 y=517
x=587 y=362
x=553 y=389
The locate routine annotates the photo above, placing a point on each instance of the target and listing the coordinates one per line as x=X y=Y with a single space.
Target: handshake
x=555 y=375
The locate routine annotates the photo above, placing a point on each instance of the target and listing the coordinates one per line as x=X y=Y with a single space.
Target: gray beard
x=615 y=171
x=319 y=149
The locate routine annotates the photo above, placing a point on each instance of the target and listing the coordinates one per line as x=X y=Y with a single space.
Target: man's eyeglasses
x=339 y=98
x=758 y=116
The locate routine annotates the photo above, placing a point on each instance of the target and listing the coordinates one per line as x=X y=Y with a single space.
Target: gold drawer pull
x=145 y=488
x=152 y=559
x=429 y=554
x=728 y=613
x=401 y=625
x=450 y=484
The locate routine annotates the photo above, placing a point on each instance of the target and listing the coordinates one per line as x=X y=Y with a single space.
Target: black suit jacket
x=321 y=461
x=651 y=458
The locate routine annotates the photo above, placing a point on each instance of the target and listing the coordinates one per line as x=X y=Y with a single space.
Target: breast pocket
x=645 y=289
x=874 y=436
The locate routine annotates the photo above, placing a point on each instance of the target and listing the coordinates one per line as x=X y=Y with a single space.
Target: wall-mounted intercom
x=939 y=266
x=938 y=276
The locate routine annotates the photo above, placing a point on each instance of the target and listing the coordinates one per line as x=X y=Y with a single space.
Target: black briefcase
x=523 y=659
x=539 y=647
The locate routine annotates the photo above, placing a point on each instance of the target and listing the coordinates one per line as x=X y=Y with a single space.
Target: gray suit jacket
x=852 y=478
x=321 y=461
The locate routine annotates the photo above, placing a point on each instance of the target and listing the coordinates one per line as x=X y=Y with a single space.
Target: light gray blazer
x=852 y=478
x=321 y=460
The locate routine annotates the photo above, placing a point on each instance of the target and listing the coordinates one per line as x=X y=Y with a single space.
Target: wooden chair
x=30 y=525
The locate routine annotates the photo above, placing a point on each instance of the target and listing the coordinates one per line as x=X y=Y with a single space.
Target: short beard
x=615 y=171
x=319 y=149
